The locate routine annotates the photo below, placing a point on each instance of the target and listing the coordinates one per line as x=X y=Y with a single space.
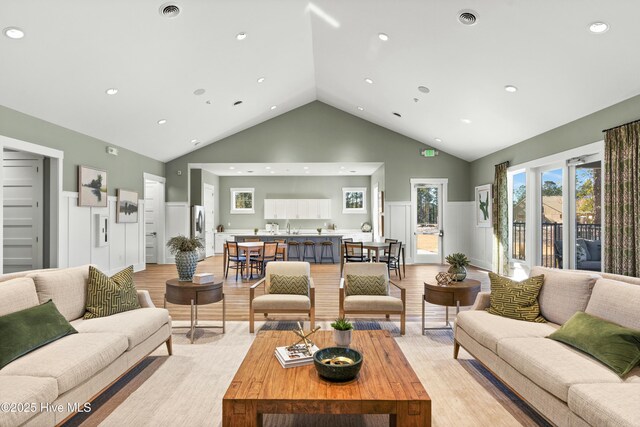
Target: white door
x=428 y=198
x=209 y=219
x=22 y=208
x=153 y=197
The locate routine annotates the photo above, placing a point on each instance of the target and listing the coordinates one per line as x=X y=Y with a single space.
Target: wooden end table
x=454 y=294
x=194 y=294
x=386 y=384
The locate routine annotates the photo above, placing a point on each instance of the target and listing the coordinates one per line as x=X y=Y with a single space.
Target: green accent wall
x=317 y=132
x=123 y=171
x=583 y=131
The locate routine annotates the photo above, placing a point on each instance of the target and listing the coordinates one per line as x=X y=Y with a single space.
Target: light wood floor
x=326 y=278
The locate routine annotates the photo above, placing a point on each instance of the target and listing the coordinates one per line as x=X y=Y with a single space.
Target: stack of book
x=297 y=355
x=202 y=278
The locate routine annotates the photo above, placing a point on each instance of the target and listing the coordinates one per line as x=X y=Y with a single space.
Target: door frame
x=161 y=240
x=209 y=187
x=444 y=182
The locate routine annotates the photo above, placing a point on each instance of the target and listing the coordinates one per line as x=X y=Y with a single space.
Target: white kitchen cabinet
x=275 y=209
x=297 y=208
x=324 y=208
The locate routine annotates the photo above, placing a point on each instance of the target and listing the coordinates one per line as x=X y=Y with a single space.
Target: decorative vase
x=458 y=274
x=342 y=338
x=186 y=263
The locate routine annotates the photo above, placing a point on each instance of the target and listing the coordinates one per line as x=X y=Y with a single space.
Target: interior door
x=209 y=219
x=22 y=210
x=151 y=216
x=427 y=202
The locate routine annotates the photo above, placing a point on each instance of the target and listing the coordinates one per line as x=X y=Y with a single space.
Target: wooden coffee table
x=454 y=294
x=386 y=384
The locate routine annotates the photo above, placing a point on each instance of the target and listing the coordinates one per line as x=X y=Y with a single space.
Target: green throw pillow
x=516 y=300
x=110 y=295
x=614 y=345
x=366 y=285
x=29 y=329
x=296 y=285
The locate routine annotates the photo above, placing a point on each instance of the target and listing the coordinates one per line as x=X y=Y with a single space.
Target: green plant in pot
x=319 y=230
x=255 y=231
x=342 y=332
x=457 y=262
x=185 y=250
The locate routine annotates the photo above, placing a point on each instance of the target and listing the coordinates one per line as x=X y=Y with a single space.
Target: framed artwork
x=92 y=187
x=127 y=206
x=242 y=201
x=483 y=206
x=354 y=200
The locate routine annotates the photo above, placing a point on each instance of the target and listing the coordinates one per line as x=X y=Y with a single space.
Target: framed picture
x=127 y=206
x=242 y=201
x=92 y=187
x=483 y=206
x=354 y=200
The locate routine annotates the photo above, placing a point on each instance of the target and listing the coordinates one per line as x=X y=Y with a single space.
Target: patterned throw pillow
x=110 y=295
x=294 y=285
x=366 y=285
x=581 y=254
x=516 y=300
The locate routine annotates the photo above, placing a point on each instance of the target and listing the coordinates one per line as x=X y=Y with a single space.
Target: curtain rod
x=506 y=163
x=624 y=124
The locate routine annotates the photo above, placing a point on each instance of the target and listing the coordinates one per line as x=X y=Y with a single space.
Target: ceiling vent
x=467 y=17
x=169 y=10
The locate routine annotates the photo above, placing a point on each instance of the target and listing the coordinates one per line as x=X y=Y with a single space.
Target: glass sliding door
x=588 y=216
x=551 y=221
x=518 y=216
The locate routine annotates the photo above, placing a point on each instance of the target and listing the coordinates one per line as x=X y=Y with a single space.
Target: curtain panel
x=501 y=220
x=622 y=200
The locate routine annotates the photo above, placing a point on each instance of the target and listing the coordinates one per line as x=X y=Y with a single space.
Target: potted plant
x=319 y=230
x=255 y=231
x=185 y=250
x=342 y=332
x=457 y=261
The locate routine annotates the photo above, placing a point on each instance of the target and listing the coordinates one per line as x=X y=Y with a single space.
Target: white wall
x=78 y=234
x=177 y=217
x=481 y=244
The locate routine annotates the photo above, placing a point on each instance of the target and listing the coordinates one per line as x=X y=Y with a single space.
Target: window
x=519 y=216
x=588 y=215
x=354 y=200
x=242 y=201
x=551 y=221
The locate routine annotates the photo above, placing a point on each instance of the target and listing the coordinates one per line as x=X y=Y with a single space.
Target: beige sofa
x=75 y=369
x=566 y=386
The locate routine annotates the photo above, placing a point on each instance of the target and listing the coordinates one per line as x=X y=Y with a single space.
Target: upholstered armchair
x=281 y=302
x=355 y=301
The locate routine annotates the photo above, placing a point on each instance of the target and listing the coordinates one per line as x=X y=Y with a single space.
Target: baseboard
x=480 y=264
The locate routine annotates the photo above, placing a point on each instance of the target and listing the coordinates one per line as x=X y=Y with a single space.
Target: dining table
x=374 y=247
x=252 y=250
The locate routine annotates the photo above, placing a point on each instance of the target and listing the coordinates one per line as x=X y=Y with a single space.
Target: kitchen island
x=334 y=238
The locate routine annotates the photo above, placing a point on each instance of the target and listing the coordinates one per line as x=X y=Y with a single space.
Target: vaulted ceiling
x=72 y=52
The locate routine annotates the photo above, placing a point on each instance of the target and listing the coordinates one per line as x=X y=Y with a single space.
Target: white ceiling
x=73 y=51
x=289 y=169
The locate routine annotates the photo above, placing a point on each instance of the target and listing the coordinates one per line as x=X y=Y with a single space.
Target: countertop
x=285 y=234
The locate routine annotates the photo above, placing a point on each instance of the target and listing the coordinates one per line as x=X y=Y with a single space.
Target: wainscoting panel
x=481 y=245
x=397 y=217
x=79 y=237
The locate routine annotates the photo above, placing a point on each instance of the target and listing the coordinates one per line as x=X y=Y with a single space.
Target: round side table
x=194 y=294
x=454 y=294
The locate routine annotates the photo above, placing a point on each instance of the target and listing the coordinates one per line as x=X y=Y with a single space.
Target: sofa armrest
x=482 y=301
x=144 y=299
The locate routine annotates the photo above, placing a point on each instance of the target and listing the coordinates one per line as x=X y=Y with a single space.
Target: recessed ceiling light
x=111 y=91
x=241 y=36
x=510 y=88
x=237 y=103
x=306 y=172
x=14 y=33
x=162 y=121
x=199 y=92
x=267 y=167
x=239 y=172
x=306 y=167
x=423 y=89
x=271 y=172
x=465 y=121
x=193 y=141
x=368 y=80
x=341 y=167
x=169 y=10
x=232 y=167
x=273 y=107
x=260 y=79
x=383 y=37
x=598 y=27
x=397 y=114
x=360 y=108
x=438 y=140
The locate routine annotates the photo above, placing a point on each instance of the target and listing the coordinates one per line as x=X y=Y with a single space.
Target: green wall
x=317 y=132
x=580 y=132
x=123 y=171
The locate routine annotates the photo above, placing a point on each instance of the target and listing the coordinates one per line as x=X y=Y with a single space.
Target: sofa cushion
x=135 y=325
x=563 y=293
x=606 y=404
x=583 y=244
x=17 y=294
x=595 y=249
x=373 y=303
x=617 y=302
x=25 y=390
x=110 y=295
x=26 y=330
x=590 y=265
x=516 y=300
x=554 y=366
x=489 y=329
x=277 y=302
x=289 y=268
x=70 y=360
x=67 y=288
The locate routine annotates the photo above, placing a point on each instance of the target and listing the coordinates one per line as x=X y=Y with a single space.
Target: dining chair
x=267 y=254
x=391 y=257
x=354 y=252
x=233 y=256
x=281 y=244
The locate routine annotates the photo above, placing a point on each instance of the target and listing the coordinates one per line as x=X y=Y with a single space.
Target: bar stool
x=293 y=244
x=309 y=245
x=326 y=251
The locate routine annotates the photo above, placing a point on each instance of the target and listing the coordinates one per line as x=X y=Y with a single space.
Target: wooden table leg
x=240 y=414
x=224 y=258
x=411 y=414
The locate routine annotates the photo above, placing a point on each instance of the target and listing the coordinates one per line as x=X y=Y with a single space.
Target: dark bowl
x=337 y=372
